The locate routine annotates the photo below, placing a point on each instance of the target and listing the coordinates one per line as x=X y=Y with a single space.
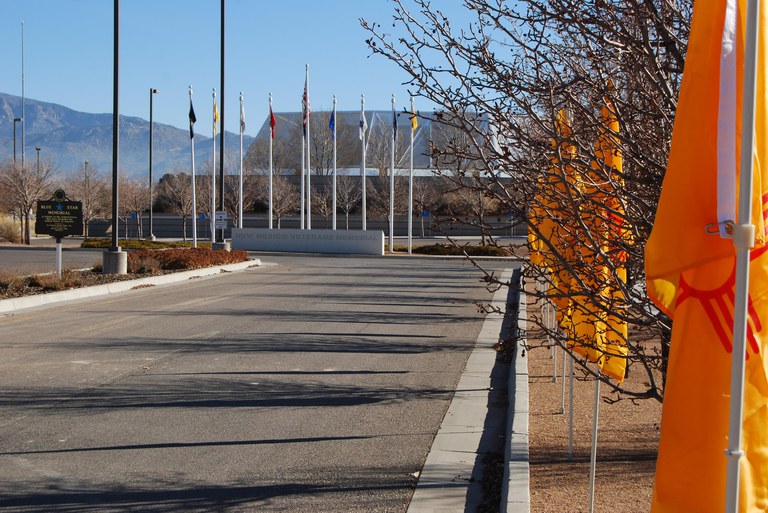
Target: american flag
x=305 y=105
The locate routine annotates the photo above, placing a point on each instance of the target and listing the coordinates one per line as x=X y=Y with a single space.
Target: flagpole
x=362 y=164
x=410 y=188
x=271 y=129
x=570 y=408
x=309 y=165
x=743 y=240
x=213 y=174
x=562 y=384
x=334 y=162
x=23 y=113
x=192 y=155
x=240 y=197
x=593 y=455
x=392 y=181
x=303 y=155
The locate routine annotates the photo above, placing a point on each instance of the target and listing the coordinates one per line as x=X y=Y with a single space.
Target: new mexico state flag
x=691 y=274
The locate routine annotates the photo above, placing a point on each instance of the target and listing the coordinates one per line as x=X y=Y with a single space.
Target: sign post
x=59 y=217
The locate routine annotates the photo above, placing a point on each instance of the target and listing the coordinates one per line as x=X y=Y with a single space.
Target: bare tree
x=426 y=197
x=25 y=185
x=133 y=200
x=348 y=195
x=525 y=84
x=174 y=195
x=285 y=195
x=92 y=188
x=322 y=202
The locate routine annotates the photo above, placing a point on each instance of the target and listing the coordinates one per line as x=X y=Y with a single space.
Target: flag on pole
x=394 y=124
x=363 y=125
x=215 y=117
x=690 y=271
x=577 y=312
x=242 y=115
x=614 y=232
x=192 y=119
x=332 y=123
x=305 y=105
x=272 y=122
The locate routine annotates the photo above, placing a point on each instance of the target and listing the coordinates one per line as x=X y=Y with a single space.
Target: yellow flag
x=691 y=275
x=215 y=117
x=582 y=318
x=614 y=231
x=414 y=120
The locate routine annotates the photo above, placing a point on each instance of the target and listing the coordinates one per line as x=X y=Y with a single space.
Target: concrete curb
x=517 y=473
x=38 y=300
x=448 y=471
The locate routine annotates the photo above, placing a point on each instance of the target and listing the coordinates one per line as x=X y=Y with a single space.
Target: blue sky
x=171 y=44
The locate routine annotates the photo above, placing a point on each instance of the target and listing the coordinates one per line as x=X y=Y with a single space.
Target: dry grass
x=9 y=230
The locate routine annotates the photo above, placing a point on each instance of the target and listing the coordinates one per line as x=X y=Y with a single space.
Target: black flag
x=192 y=119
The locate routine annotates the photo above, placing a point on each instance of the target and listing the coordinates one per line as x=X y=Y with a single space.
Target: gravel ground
x=628 y=436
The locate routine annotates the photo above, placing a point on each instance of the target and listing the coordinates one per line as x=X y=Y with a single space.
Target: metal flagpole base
x=115 y=261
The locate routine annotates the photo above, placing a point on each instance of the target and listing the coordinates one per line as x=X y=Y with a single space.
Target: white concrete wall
x=369 y=242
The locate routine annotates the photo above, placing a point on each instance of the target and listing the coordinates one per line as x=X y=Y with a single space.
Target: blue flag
x=332 y=123
x=394 y=125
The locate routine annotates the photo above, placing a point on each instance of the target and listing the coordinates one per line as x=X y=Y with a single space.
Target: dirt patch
x=628 y=436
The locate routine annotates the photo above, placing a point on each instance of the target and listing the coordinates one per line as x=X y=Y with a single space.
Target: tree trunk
x=27 y=231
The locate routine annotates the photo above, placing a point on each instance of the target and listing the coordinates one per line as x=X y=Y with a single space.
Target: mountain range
x=67 y=138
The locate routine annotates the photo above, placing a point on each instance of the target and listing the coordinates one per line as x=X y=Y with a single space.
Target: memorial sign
x=59 y=216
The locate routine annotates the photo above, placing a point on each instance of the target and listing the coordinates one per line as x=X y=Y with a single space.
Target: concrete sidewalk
x=450 y=479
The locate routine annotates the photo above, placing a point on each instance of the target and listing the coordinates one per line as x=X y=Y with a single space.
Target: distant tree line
x=21 y=187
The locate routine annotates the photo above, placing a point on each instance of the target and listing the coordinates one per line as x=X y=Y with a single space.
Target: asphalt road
x=316 y=384
x=39 y=259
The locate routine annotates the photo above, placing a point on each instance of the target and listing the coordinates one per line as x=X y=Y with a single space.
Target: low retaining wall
x=358 y=242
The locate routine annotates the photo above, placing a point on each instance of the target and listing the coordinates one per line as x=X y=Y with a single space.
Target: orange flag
x=613 y=231
x=555 y=190
x=691 y=274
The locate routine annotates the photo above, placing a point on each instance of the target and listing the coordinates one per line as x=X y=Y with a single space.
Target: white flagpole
x=392 y=183
x=334 y=162
x=593 y=455
x=240 y=196
x=23 y=103
x=194 y=198
x=270 y=160
x=362 y=164
x=570 y=409
x=410 y=189
x=743 y=240
x=303 y=170
x=213 y=175
x=562 y=384
x=309 y=165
